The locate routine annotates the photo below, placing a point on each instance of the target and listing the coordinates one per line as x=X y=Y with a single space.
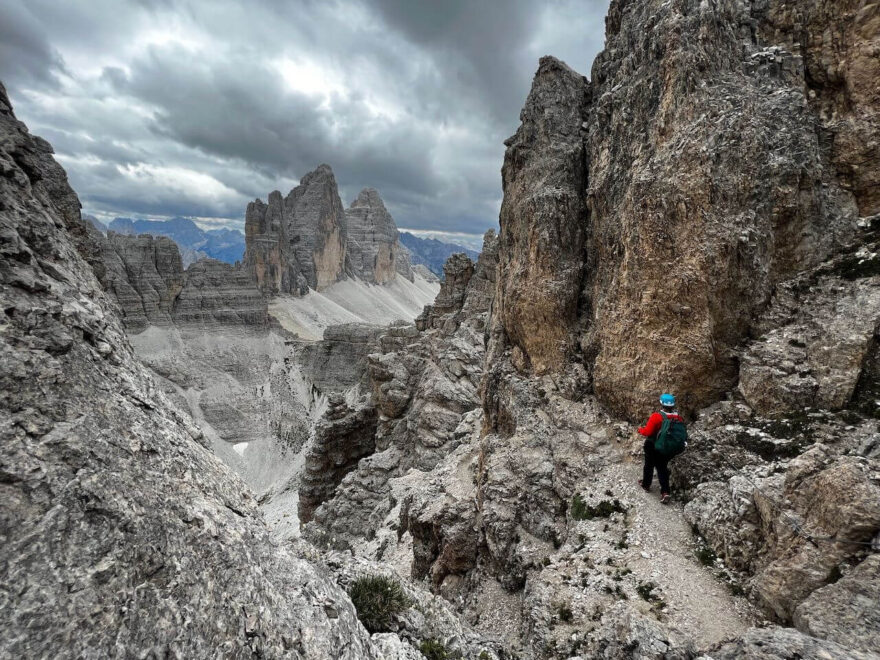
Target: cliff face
x=307 y=240
x=121 y=531
x=683 y=203
x=423 y=385
x=373 y=246
x=145 y=274
x=544 y=221
x=299 y=241
x=146 y=277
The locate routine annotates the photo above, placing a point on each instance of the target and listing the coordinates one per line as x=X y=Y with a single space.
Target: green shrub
x=646 y=591
x=433 y=650
x=580 y=510
x=378 y=599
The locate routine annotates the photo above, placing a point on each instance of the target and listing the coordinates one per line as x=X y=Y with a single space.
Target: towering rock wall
x=121 y=534
x=701 y=166
x=373 y=247
x=544 y=221
x=299 y=241
x=145 y=274
x=307 y=240
x=316 y=228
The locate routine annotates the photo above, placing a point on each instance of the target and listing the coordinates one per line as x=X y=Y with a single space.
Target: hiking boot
x=645 y=488
x=665 y=498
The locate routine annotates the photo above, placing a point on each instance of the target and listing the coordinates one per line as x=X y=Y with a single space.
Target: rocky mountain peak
x=374 y=248
x=307 y=240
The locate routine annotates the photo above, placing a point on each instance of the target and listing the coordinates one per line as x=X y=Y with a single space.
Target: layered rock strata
x=424 y=386
x=374 y=249
x=120 y=530
x=145 y=275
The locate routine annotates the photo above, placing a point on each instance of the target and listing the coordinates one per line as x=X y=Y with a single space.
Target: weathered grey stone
x=544 y=220
x=298 y=242
x=145 y=275
x=782 y=644
x=339 y=360
x=373 y=247
x=215 y=294
x=846 y=611
x=342 y=438
x=121 y=534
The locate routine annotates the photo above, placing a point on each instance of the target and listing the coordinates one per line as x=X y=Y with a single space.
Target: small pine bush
x=378 y=599
x=433 y=650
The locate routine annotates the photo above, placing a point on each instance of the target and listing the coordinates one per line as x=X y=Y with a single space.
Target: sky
x=162 y=108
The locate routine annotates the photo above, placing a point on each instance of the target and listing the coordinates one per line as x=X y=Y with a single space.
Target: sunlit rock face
x=298 y=242
x=650 y=217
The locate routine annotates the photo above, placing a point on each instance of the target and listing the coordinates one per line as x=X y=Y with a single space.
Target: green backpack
x=671 y=438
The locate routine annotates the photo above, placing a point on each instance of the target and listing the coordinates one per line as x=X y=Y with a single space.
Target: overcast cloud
x=159 y=108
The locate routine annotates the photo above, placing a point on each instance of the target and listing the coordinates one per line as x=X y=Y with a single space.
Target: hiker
x=665 y=438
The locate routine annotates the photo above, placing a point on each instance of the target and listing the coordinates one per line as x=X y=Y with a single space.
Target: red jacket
x=655 y=421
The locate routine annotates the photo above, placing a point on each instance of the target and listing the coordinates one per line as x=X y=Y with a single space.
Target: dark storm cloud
x=164 y=107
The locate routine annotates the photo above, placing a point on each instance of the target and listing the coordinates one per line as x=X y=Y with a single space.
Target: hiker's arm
x=655 y=421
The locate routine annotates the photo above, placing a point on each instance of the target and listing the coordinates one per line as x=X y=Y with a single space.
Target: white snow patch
x=240 y=447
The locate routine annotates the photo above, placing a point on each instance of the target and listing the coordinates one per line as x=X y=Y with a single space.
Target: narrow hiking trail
x=652 y=548
x=663 y=550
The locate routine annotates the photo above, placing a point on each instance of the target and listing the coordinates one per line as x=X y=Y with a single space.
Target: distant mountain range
x=433 y=253
x=194 y=242
x=228 y=244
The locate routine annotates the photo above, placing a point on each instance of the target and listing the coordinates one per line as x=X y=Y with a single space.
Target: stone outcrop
x=543 y=219
x=373 y=247
x=298 y=242
x=424 y=385
x=817 y=334
x=698 y=199
x=457 y=272
x=145 y=275
x=783 y=644
x=843 y=612
x=339 y=360
x=342 y=437
x=129 y=536
x=215 y=294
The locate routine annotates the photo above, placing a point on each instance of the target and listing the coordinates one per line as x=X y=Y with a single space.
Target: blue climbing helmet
x=667 y=400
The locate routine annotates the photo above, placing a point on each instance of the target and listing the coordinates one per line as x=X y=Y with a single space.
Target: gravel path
x=662 y=550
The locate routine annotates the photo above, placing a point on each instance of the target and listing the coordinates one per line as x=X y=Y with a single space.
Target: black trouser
x=653 y=459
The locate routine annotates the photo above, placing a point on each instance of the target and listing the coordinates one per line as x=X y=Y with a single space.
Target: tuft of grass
x=378 y=600
x=646 y=591
x=580 y=510
x=834 y=575
x=736 y=589
x=432 y=649
x=563 y=611
x=706 y=555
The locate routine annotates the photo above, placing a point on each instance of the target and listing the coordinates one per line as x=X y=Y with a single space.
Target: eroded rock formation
x=121 y=533
x=298 y=242
x=698 y=199
x=374 y=249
